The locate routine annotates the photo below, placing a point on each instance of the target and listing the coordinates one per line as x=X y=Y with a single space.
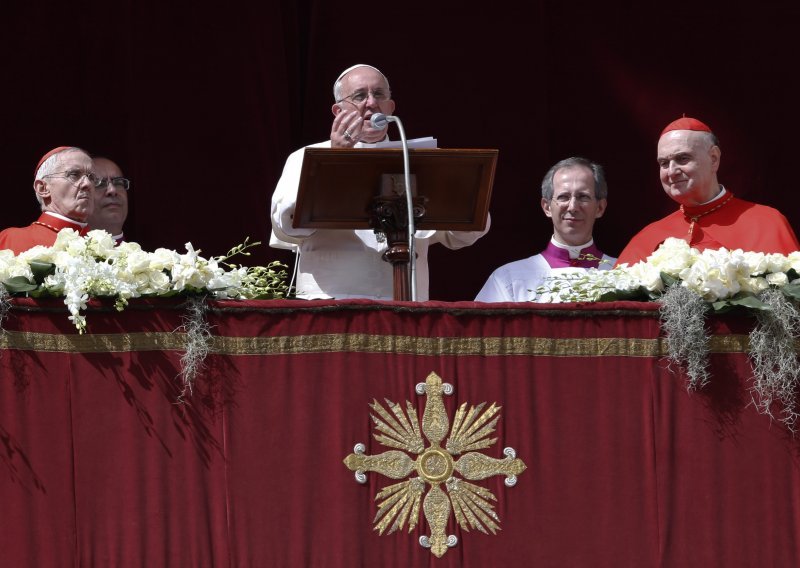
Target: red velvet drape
x=201 y=103
x=100 y=467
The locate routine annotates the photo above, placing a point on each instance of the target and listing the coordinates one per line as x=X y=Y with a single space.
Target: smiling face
x=574 y=206
x=111 y=201
x=364 y=89
x=72 y=199
x=688 y=162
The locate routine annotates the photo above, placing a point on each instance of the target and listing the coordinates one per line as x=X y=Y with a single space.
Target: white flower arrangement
x=688 y=284
x=79 y=268
x=721 y=277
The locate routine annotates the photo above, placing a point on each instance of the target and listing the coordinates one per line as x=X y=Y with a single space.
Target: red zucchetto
x=50 y=153
x=686 y=123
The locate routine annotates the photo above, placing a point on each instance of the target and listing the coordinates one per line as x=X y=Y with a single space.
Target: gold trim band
x=361 y=343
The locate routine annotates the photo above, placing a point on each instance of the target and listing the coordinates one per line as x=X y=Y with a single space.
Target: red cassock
x=729 y=222
x=43 y=231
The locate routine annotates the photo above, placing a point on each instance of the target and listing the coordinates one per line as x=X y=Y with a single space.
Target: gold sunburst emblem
x=435 y=465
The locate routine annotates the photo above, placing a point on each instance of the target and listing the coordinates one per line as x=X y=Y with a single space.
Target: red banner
x=101 y=465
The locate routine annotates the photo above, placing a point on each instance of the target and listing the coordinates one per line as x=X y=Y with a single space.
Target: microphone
x=381 y=121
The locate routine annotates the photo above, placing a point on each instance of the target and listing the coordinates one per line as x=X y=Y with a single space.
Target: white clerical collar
x=57 y=216
x=370 y=144
x=574 y=251
x=722 y=192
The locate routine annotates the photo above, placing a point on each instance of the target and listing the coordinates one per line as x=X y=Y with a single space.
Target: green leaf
x=267 y=296
x=669 y=280
x=792 y=290
x=169 y=294
x=721 y=306
x=792 y=274
x=749 y=301
x=640 y=294
x=19 y=284
x=652 y=295
x=41 y=270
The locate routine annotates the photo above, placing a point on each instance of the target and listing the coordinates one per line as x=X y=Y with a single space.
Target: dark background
x=201 y=103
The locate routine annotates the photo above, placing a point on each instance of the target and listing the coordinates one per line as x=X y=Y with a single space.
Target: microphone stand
x=380 y=120
x=412 y=260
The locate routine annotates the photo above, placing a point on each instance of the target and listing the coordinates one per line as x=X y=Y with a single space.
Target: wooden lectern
x=363 y=188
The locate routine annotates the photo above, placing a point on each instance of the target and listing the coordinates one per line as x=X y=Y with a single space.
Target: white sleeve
x=283 y=204
x=458 y=239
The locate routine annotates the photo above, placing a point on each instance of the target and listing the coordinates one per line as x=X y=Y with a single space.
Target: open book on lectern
x=338 y=186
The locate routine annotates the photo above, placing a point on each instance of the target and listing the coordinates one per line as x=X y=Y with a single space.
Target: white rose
x=793 y=261
x=137 y=261
x=11 y=266
x=755 y=284
x=100 y=243
x=126 y=248
x=75 y=247
x=40 y=253
x=753 y=262
x=163 y=259
x=777 y=279
x=647 y=275
x=158 y=282
x=672 y=256
x=711 y=276
x=777 y=263
x=65 y=237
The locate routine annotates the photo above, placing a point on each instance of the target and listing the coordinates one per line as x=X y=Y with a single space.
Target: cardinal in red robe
x=65 y=185
x=710 y=216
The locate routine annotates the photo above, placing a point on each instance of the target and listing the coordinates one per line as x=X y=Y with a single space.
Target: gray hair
x=712 y=138
x=600 y=185
x=706 y=135
x=337 y=85
x=49 y=167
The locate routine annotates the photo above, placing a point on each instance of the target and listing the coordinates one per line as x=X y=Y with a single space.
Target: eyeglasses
x=118 y=182
x=75 y=176
x=361 y=95
x=581 y=198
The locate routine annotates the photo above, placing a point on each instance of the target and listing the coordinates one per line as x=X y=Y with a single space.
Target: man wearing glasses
x=574 y=193
x=64 y=185
x=110 y=198
x=348 y=263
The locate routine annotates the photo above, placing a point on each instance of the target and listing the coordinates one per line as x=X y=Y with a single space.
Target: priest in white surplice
x=574 y=193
